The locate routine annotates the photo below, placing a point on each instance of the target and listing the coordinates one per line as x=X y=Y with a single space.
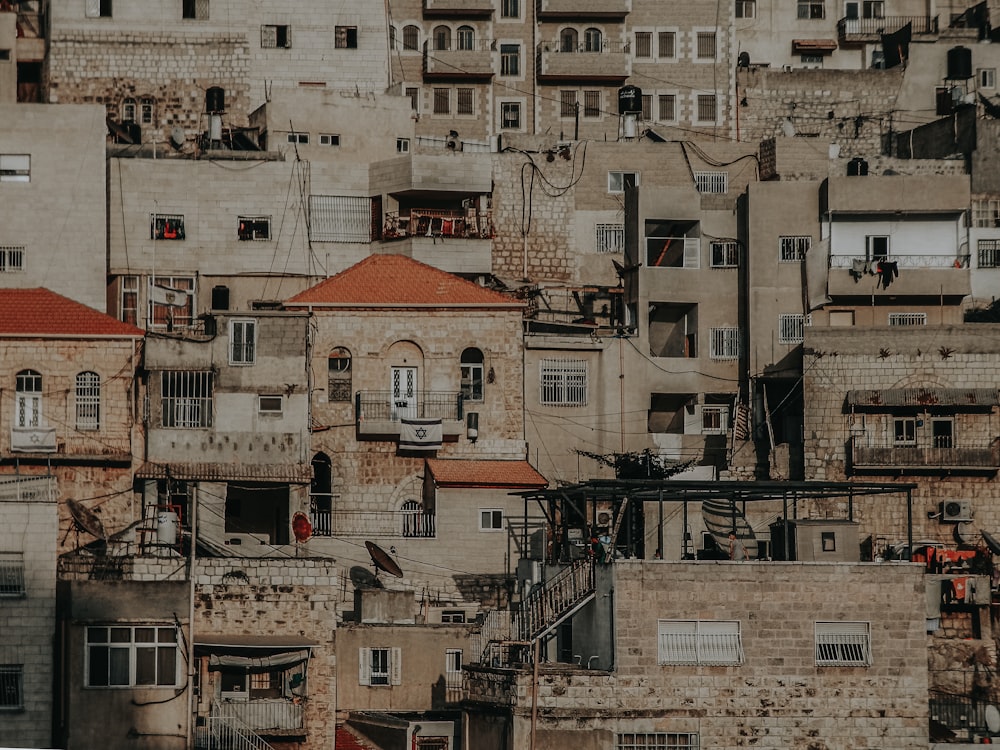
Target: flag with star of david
x=420 y=434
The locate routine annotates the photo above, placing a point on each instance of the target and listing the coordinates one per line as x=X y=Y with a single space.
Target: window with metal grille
x=253 y=228
x=708 y=110
x=28 y=399
x=610 y=238
x=411 y=38
x=510 y=8
x=907 y=319
x=657 y=741
x=725 y=343
x=791 y=328
x=131 y=656
x=843 y=644
x=273 y=37
x=711 y=182
x=442 y=101
x=666 y=44
x=667 y=106
x=340 y=218
x=12 y=574
x=563 y=382
x=706 y=45
x=643 y=44
x=465 y=38
x=986 y=212
x=242 y=342
x=647 y=106
x=988 y=253
x=567 y=103
x=464 y=102
x=510 y=59
x=11 y=258
x=11 y=687
x=195 y=9
x=166 y=226
x=811 y=9
x=714 y=419
x=88 y=401
x=591 y=103
x=709 y=642
x=186 y=399
x=15 y=168
x=746 y=8
x=510 y=115
x=380 y=666
x=725 y=254
x=793 y=249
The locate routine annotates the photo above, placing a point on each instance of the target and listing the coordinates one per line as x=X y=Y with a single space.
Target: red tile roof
x=40 y=312
x=398 y=281
x=453 y=472
x=345 y=740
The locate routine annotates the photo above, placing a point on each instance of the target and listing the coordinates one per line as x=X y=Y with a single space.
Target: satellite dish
x=301 y=527
x=85 y=519
x=992 y=719
x=991 y=542
x=177 y=137
x=964 y=533
x=382 y=561
x=787 y=128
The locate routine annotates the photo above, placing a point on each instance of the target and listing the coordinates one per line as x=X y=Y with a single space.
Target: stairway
x=224 y=732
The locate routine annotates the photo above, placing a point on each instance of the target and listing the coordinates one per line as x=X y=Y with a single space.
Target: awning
x=816 y=46
x=925 y=397
x=256 y=664
x=253 y=653
x=485 y=474
x=213 y=472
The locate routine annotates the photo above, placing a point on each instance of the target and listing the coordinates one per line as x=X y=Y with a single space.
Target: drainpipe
x=534 y=693
x=190 y=654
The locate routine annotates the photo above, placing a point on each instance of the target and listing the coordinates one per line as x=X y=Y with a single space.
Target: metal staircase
x=223 y=731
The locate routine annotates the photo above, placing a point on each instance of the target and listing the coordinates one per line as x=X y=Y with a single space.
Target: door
x=404 y=393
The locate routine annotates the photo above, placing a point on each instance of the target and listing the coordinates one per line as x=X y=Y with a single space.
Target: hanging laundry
x=857 y=268
x=887 y=271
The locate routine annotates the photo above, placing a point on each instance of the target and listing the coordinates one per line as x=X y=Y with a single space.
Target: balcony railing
x=872 y=29
x=945 y=260
x=369 y=523
x=875 y=452
x=268 y=716
x=438 y=223
x=383 y=406
x=962 y=715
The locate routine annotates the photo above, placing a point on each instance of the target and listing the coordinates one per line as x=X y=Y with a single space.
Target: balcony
x=874 y=452
x=610 y=64
x=78 y=446
x=935 y=275
x=866 y=30
x=365 y=524
x=272 y=717
x=379 y=414
x=471 y=64
x=595 y=9
x=458 y=8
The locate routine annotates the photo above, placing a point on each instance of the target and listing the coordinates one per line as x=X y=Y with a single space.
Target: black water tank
x=220 y=297
x=857 y=167
x=215 y=100
x=629 y=99
x=959 y=64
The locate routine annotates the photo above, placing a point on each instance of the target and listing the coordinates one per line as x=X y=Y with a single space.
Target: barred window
x=186 y=399
x=567 y=103
x=643 y=44
x=791 y=328
x=563 y=382
x=166 y=227
x=464 y=103
x=411 y=38
x=708 y=110
x=610 y=238
x=706 y=642
x=339 y=375
x=11 y=687
x=667 y=43
x=242 y=342
x=11 y=258
x=714 y=419
x=345 y=37
x=340 y=218
x=249 y=228
x=843 y=644
x=591 y=103
x=907 y=319
x=793 y=249
x=986 y=212
x=657 y=741
x=725 y=254
x=510 y=115
x=442 y=101
x=725 y=343
x=711 y=182
x=88 y=401
x=667 y=107
x=988 y=253
x=706 y=45
x=647 y=106
x=510 y=59
x=11 y=574
x=126 y=656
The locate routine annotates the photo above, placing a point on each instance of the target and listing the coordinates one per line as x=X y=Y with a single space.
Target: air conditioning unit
x=956 y=511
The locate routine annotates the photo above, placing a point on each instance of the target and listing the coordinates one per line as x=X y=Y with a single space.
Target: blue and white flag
x=420 y=434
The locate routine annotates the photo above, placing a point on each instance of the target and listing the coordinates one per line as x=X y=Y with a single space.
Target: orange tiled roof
x=41 y=312
x=398 y=281
x=455 y=472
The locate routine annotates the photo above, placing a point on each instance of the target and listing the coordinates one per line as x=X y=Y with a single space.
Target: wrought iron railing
x=872 y=450
x=550 y=601
x=384 y=406
x=849 y=28
x=225 y=733
x=367 y=523
x=944 y=260
x=962 y=715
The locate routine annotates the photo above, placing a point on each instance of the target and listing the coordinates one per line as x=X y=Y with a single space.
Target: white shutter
x=692 y=252
x=396 y=666
x=364 y=666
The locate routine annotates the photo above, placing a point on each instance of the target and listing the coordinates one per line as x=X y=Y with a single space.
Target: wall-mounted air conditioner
x=956 y=511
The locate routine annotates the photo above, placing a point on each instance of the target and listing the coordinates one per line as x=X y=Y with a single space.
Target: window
x=417 y=523
x=591 y=103
x=131 y=656
x=12 y=574
x=986 y=212
x=843 y=644
x=414 y=94
x=666 y=44
x=329 y=139
x=28 y=399
x=402 y=145
x=393 y=38
x=128 y=110
x=943 y=433
x=907 y=319
x=442 y=101
x=746 y=8
x=344 y=37
x=272 y=404
x=453 y=656
x=242 y=342
x=793 y=249
x=251 y=228
x=618 y=181
x=380 y=666
x=98 y=9
x=472 y=375
x=568 y=40
x=563 y=382
x=828 y=539
x=876 y=247
x=339 y=375
x=667 y=107
x=725 y=343
x=490 y=519
x=647 y=107
x=464 y=102
x=812 y=9
x=11 y=258
x=904 y=431
x=714 y=420
x=610 y=238
x=510 y=116
x=15 y=168
x=411 y=38
x=643 y=44
x=129 y=304
x=711 y=182
x=815 y=61
x=873 y=9
x=707 y=108
x=186 y=399
x=453 y=673
x=456 y=616
x=657 y=741
x=510 y=8
x=465 y=38
x=592 y=40
x=166 y=227
x=988 y=253
x=725 y=254
x=88 y=401
x=987 y=78
x=510 y=59
x=171 y=301
x=298 y=138
x=442 y=38
x=146 y=107
x=708 y=642
x=195 y=9
x=11 y=687
x=340 y=218
x=272 y=37
x=791 y=328
x=706 y=45
x=5 y=55
x=567 y=103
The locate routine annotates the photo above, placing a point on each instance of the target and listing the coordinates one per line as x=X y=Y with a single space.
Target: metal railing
x=365 y=523
x=869 y=449
x=947 y=260
x=383 y=406
x=959 y=713
x=872 y=27
x=225 y=733
x=550 y=601
x=561 y=46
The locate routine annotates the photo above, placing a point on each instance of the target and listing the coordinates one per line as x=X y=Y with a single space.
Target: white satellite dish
x=787 y=128
x=177 y=137
x=993 y=719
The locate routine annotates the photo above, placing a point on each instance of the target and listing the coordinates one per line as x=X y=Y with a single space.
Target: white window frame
x=11 y=687
x=266 y=404
x=725 y=343
x=986 y=212
x=843 y=644
x=657 y=741
x=908 y=319
x=12 y=575
x=15 y=167
x=793 y=248
x=242 y=341
x=791 y=327
x=904 y=431
x=871 y=241
x=712 y=182
x=88 y=401
x=699 y=643
x=728 y=255
x=609 y=238
x=562 y=382
x=616 y=180
x=491 y=519
x=11 y=258
x=510 y=59
x=380 y=666
x=714 y=419
x=132 y=649
x=402 y=145
x=507 y=120
x=329 y=139
x=28 y=399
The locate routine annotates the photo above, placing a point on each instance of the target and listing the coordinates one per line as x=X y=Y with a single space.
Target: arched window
x=411 y=38
x=466 y=38
x=28 y=399
x=472 y=374
x=442 y=38
x=339 y=386
x=147 y=110
x=567 y=40
x=416 y=523
x=592 y=40
x=129 y=110
x=88 y=401
x=321 y=495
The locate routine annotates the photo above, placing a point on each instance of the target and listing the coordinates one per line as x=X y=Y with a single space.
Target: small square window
x=11 y=258
x=195 y=9
x=4 y=55
x=298 y=138
x=98 y=9
x=510 y=116
x=166 y=227
x=11 y=687
x=269 y=404
x=15 y=168
x=746 y=8
x=254 y=228
x=402 y=145
x=345 y=37
x=829 y=541
x=618 y=181
x=490 y=520
x=843 y=644
x=275 y=37
x=329 y=139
